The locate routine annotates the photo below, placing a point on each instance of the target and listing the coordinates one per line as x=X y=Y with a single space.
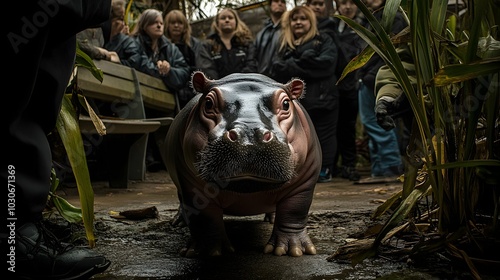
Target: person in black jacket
x=126 y=48
x=39 y=48
x=178 y=31
x=348 y=100
x=306 y=54
x=267 y=39
x=350 y=45
x=163 y=60
x=231 y=44
x=385 y=158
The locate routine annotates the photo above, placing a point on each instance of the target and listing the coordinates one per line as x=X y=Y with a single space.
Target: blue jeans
x=382 y=144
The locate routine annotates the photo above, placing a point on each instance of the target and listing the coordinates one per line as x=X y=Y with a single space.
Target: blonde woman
x=231 y=44
x=305 y=53
x=178 y=31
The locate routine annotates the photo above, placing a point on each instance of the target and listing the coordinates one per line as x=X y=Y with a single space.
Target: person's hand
x=163 y=67
x=109 y=56
x=126 y=30
x=384 y=107
x=113 y=57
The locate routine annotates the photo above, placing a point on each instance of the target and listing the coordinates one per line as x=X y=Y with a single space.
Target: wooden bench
x=128 y=93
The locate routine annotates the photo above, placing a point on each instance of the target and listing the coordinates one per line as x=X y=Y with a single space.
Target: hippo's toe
x=293 y=244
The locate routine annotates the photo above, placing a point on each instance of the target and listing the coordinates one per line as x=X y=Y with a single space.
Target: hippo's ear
x=199 y=82
x=295 y=87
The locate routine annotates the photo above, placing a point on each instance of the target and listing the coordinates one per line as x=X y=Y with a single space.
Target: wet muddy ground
x=149 y=248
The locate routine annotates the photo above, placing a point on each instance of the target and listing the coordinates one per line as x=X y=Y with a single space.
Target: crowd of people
x=305 y=41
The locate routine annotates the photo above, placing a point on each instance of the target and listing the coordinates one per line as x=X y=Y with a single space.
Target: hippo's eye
x=286 y=104
x=209 y=104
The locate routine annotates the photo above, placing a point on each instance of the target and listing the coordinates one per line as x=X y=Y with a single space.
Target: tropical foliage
x=68 y=130
x=450 y=197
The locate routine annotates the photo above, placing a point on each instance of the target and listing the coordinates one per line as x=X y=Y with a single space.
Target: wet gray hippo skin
x=244 y=146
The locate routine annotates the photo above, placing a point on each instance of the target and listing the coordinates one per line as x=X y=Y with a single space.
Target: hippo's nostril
x=232 y=135
x=267 y=136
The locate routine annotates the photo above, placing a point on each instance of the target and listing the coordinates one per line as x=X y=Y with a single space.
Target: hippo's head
x=250 y=125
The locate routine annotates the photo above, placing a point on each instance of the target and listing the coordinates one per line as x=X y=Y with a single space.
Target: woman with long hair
x=165 y=61
x=178 y=31
x=231 y=44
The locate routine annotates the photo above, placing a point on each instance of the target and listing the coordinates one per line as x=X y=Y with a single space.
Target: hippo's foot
x=196 y=249
x=294 y=244
x=269 y=217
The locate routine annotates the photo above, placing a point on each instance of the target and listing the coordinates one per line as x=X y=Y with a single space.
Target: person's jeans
x=383 y=145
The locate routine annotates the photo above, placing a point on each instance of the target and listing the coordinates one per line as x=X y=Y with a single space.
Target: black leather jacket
x=179 y=70
x=314 y=62
x=266 y=46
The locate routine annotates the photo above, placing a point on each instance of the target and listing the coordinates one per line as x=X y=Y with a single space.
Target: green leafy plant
x=454 y=155
x=70 y=135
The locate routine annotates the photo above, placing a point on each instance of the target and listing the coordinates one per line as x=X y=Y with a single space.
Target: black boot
x=350 y=172
x=40 y=255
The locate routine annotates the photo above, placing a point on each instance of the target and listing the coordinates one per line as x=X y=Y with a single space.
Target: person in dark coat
x=350 y=45
x=385 y=157
x=231 y=44
x=126 y=48
x=178 y=31
x=163 y=60
x=39 y=48
x=267 y=39
x=348 y=100
x=306 y=54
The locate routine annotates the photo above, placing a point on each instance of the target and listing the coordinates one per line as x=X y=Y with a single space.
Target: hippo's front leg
x=289 y=234
x=208 y=235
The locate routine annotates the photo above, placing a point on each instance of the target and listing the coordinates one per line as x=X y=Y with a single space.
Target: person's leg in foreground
x=41 y=46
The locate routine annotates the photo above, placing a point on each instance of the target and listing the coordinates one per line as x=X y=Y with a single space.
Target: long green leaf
x=452 y=74
x=69 y=131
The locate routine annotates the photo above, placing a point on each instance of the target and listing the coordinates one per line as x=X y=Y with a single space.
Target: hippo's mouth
x=245 y=166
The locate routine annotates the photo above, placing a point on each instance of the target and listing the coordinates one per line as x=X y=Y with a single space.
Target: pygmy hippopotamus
x=244 y=145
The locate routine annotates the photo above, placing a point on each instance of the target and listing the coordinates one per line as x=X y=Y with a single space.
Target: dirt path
x=148 y=249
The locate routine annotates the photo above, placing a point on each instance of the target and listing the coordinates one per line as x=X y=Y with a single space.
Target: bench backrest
x=126 y=85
